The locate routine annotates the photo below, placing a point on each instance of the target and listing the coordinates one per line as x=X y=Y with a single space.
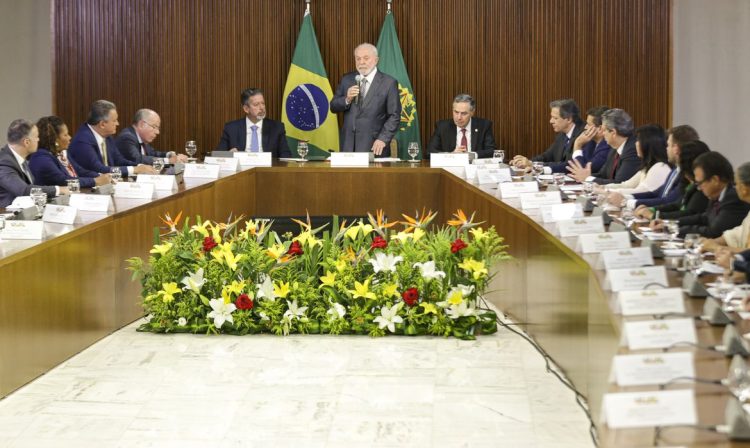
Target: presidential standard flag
x=392 y=63
x=305 y=111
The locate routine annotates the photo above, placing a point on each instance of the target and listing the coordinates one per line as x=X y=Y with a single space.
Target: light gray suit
x=376 y=117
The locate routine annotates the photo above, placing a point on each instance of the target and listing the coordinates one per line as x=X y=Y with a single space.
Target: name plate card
x=446 y=159
x=161 y=182
x=561 y=212
x=629 y=258
x=493 y=175
x=652 y=369
x=134 y=190
x=580 y=226
x=350 y=159
x=225 y=163
x=649 y=409
x=655 y=334
x=514 y=189
x=651 y=301
x=592 y=243
x=535 y=200
x=60 y=214
x=253 y=158
x=201 y=171
x=471 y=172
x=637 y=278
x=91 y=202
x=23 y=230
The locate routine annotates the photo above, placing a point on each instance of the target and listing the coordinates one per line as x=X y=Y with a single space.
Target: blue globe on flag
x=307 y=107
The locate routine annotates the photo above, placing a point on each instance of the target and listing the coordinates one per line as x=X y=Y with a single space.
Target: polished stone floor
x=144 y=390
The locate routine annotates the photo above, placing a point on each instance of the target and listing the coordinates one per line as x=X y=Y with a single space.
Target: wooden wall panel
x=189 y=59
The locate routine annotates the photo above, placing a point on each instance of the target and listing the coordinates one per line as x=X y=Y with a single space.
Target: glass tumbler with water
x=158 y=164
x=302 y=150
x=116 y=174
x=537 y=168
x=498 y=155
x=40 y=199
x=190 y=149
x=74 y=186
x=413 y=151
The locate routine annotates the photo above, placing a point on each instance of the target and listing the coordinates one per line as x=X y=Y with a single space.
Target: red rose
x=208 y=244
x=379 y=243
x=244 y=302
x=295 y=249
x=410 y=296
x=457 y=245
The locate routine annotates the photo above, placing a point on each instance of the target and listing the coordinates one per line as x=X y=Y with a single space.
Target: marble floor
x=144 y=390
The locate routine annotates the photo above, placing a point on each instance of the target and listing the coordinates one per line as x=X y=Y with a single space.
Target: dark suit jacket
x=660 y=196
x=84 y=152
x=592 y=152
x=13 y=181
x=444 y=137
x=273 y=137
x=692 y=202
x=742 y=265
x=560 y=151
x=130 y=148
x=626 y=167
x=48 y=170
x=720 y=216
x=375 y=118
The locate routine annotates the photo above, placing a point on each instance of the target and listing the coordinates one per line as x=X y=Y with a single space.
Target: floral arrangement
x=365 y=277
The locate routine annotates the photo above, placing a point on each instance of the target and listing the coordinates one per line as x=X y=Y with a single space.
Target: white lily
x=336 y=311
x=389 y=317
x=294 y=311
x=222 y=312
x=265 y=289
x=194 y=282
x=428 y=270
x=385 y=262
x=181 y=322
x=462 y=309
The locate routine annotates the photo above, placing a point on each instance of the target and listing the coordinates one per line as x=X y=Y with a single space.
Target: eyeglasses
x=154 y=127
x=698 y=183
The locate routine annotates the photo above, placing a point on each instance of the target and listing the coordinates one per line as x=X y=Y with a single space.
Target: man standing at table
x=134 y=142
x=465 y=133
x=255 y=132
x=370 y=103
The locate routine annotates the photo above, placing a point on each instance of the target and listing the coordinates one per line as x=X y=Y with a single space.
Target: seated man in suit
x=590 y=145
x=566 y=121
x=465 y=133
x=370 y=102
x=623 y=162
x=15 y=177
x=134 y=142
x=255 y=132
x=737 y=239
x=93 y=148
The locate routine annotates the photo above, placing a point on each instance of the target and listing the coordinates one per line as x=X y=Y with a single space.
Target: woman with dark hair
x=50 y=164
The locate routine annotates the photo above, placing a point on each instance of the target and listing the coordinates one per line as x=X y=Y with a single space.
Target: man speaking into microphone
x=370 y=102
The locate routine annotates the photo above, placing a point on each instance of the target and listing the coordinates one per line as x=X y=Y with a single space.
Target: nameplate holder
x=201 y=171
x=560 y=212
x=161 y=182
x=636 y=278
x=225 y=163
x=651 y=302
x=23 y=230
x=692 y=286
x=531 y=201
x=649 y=409
x=60 y=214
x=448 y=159
x=134 y=190
x=493 y=175
x=488 y=163
x=254 y=158
x=593 y=243
x=580 y=226
x=652 y=369
x=509 y=190
x=91 y=202
x=585 y=203
x=634 y=257
x=471 y=173
x=659 y=334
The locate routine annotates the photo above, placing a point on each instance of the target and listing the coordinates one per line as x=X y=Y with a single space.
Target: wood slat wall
x=189 y=59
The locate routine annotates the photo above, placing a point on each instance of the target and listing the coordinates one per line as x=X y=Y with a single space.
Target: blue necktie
x=670 y=181
x=254 y=145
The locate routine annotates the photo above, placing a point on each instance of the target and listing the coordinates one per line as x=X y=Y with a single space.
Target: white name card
x=489 y=163
x=471 y=172
x=651 y=301
x=580 y=226
x=493 y=175
x=652 y=369
x=23 y=230
x=60 y=214
x=561 y=212
x=444 y=159
x=253 y=158
x=636 y=278
x=91 y=202
x=161 y=182
x=514 y=189
x=653 y=334
x=134 y=190
x=350 y=159
x=225 y=163
x=634 y=257
x=592 y=243
x=535 y=200
x=649 y=409
x=201 y=170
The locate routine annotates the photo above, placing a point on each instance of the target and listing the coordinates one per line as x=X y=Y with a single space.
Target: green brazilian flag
x=308 y=92
x=392 y=63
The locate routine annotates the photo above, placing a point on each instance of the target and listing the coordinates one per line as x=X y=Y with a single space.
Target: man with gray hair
x=465 y=133
x=370 y=102
x=623 y=161
x=94 y=149
x=134 y=142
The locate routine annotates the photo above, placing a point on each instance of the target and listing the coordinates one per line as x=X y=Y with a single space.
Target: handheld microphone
x=358 y=79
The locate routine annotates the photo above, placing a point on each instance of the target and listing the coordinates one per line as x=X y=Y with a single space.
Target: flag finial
x=307 y=6
x=389 y=5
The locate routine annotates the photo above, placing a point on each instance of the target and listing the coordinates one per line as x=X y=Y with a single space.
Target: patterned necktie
x=364 y=88
x=104 y=153
x=25 y=167
x=614 y=165
x=464 y=141
x=254 y=144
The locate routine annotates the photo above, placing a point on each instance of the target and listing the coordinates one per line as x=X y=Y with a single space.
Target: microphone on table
x=358 y=79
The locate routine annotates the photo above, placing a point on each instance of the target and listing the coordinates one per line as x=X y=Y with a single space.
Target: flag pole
x=389 y=6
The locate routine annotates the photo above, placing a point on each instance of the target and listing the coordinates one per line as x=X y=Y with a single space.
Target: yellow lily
x=402 y=236
x=281 y=289
x=478 y=233
x=328 y=279
x=276 y=251
x=363 y=290
x=353 y=231
x=309 y=238
x=235 y=288
x=201 y=228
x=429 y=308
x=216 y=233
x=232 y=260
x=161 y=249
x=341 y=264
x=389 y=290
x=477 y=268
x=418 y=233
x=455 y=297
x=168 y=291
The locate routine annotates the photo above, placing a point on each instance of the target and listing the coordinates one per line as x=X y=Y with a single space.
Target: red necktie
x=614 y=165
x=464 y=142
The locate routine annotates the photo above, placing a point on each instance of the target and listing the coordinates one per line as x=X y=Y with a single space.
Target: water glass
x=537 y=167
x=302 y=150
x=692 y=242
x=499 y=155
x=413 y=151
x=74 y=185
x=2 y=223
x=627 y=217
x=116 y=174
x=725 y=287
x=190 y=149
x=588 y=189
x=692 y=261
x=158 y=164
x=40 y=199
x=558 y=179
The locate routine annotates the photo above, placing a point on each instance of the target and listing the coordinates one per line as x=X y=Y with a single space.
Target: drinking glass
x=692 y=242
x=74 y=185
x=116 y=174
x=739 y=383
x=158 y=164
x=190 y=149
x=40 y=199
x=588 y=189
x=558 y=179
x=627 y=217
x=673 y=227
x=413 y=151
x=2 y=224
x=724 y=287
x=498 y=154
x=537 y=167
x=302 y=150
x=692 y=262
